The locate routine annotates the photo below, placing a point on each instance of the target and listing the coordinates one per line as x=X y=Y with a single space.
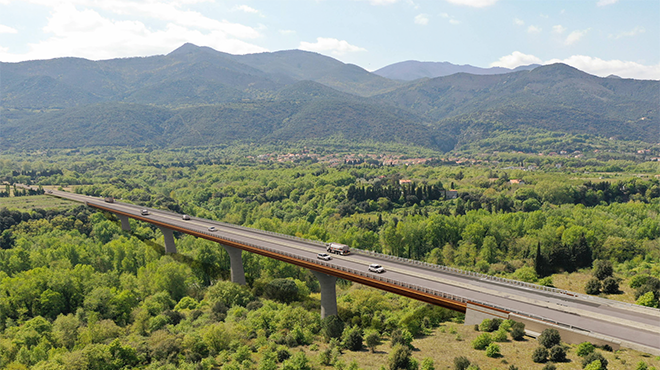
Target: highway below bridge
x=578 y=317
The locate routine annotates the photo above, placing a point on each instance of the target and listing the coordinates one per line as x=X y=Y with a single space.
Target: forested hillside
x=78 y=293
x=174 y=100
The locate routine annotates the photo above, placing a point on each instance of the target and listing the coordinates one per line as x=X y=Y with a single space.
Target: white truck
x=338 y=248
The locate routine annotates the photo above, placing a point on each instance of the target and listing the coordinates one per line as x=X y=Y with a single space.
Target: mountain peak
x=184 y=49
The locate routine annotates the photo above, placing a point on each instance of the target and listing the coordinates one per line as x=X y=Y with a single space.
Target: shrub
x=596 y=365
x=518 y=331
x=641 y=366
x=602 y=269
x=461 y=363
x=584 y=349
x=500 y=335
x=400 y=358
x=513 y=367
x=638 y=280
x=592 y=287
x=401 y=337
x=372 y=340
x=549 y=367
x=427 y=364
x=648 y=299
x=540 y=355
x=506 y=325
x=332 y=326
x=610 y=286
x=352 y=338
x=493 y=350
x=557 y=354
x=593 y=356
x=549 y=338
x=283 y=290
x=482 y=341
x=490 y=325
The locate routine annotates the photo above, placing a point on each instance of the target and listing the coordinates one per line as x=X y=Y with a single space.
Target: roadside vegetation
x=78 y=293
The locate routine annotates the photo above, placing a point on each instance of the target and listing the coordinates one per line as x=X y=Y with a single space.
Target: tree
x=332 y=326
x=557 y=354
x=610 y=285
x=593 y=286
x=518 y=331
x=602 y=269
x=549 y=338
x=373 y=340
x=400 y=358
x=283 y=290
x=352 y=338
x=461 y=363
x=540 y=355
x=592 y=357
x=403 y=337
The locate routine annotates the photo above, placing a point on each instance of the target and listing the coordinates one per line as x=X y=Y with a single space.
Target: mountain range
x=199 y=96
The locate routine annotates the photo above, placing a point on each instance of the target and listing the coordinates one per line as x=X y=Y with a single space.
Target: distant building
x=451 y=194
x=517 y=181
x=402 y=181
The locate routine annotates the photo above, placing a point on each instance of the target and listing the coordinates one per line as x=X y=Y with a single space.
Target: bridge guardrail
x=418 y=288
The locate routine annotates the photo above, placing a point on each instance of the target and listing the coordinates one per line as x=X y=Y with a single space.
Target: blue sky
x=601 y=37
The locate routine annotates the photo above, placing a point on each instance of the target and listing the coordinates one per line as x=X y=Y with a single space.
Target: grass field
x=37 y=201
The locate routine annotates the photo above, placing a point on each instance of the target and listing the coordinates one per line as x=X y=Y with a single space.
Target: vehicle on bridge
x=212 y=229
x=374 y=267
x=324 y=256
x=185 y=217
x=145 y=212
x=109 y=199
x=338 y=248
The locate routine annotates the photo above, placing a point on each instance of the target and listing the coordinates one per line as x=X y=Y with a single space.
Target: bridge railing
x=434 y=292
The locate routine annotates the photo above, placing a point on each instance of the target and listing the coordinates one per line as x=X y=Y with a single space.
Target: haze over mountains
x=199 y=96
x=414 y=70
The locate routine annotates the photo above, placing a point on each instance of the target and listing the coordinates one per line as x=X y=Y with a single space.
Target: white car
x=185 y=217
x=212 y=229
x=374 y=267
x=145 y=212
x=324 y=256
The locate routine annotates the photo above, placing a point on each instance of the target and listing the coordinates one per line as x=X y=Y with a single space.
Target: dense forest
x=78 y=293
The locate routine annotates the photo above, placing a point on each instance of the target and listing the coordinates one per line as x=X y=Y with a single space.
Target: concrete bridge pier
x=236 y=263
x=168 y=235
x=328 y=294
x=125 y=225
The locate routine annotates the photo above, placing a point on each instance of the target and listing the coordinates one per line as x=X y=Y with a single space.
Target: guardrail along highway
x=578 y=316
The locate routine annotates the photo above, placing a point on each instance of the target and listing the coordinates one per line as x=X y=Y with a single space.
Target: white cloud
x=516 y=59
x=246 y=9
x=604 y=68
x=595 y=66
x=422 y=19
x=85 y=33
x=7 y=29
x=287 y=32
x=558 y=29
x=444 y=15
x=533 y=29
x=606 y=2
x=518 y=22
x=575 y=36
x=635 y=31
x=381 y=2
x=454 y=21
x=331 y=45
x=473 y=3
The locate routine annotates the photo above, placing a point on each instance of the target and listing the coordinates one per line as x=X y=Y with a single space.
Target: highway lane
x=625 y=323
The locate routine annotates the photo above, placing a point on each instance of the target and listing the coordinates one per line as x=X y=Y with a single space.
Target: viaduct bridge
x=578 y=317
